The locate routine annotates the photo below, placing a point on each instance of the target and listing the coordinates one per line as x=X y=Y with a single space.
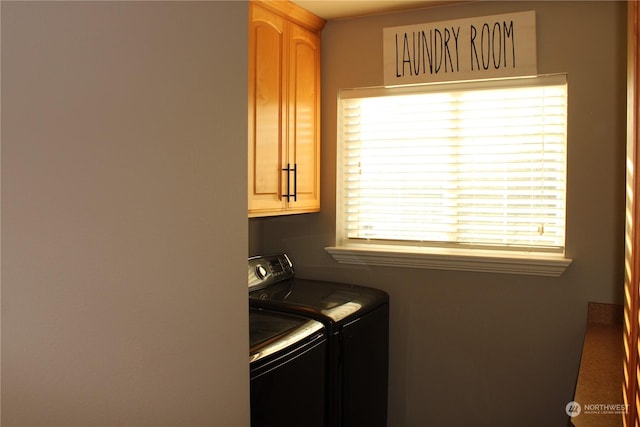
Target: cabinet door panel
x=304 y=116
x=268 y=121
x=267 y=50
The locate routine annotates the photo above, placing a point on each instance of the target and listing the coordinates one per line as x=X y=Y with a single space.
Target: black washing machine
x=287 y=360
x=356 y=319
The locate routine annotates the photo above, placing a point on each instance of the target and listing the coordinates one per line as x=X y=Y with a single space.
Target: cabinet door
x=304 y=117
x=267 y=110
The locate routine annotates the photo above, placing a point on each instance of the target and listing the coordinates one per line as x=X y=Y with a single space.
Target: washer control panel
x=268 y=269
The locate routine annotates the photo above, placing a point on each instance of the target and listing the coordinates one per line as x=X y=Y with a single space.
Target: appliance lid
x=271 y=332
x=272 y=285
x=335 y=302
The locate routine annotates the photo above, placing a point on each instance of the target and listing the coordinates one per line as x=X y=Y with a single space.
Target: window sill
x=526 y=263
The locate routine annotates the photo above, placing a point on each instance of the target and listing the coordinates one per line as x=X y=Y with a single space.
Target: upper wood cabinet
x=284 y=109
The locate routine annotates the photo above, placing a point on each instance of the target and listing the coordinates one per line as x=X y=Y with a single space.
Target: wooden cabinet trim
x=293 y=13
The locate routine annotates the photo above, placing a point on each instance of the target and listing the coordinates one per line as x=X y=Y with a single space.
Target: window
x=472 y=168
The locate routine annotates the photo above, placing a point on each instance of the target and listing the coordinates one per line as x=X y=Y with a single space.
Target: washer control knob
x=261 y=272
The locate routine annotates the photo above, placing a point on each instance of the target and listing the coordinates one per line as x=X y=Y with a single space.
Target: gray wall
x=477 y=348
x=123 y=237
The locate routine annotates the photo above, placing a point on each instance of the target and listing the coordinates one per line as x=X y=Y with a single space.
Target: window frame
x=401 y=254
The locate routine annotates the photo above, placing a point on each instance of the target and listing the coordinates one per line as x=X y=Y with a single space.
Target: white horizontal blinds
x=398 y=155
x=463 y=166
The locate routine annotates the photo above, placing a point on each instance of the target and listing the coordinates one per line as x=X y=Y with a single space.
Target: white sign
x=465 y=49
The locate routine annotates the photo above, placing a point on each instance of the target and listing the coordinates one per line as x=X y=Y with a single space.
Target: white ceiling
x=337 y=9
